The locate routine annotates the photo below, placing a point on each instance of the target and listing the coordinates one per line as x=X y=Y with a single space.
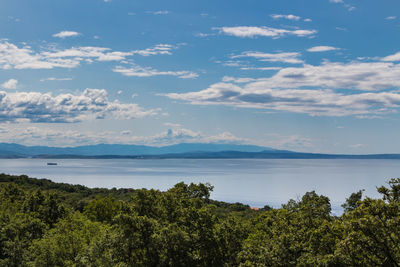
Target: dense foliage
x=51 y=224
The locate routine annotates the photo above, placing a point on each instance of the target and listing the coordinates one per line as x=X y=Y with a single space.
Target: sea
x=256 y=182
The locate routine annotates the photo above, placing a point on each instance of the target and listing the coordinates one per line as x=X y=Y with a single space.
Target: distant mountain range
x=15 y=150
x=184 y=150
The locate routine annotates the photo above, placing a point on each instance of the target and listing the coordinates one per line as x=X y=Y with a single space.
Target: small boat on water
x=52 y=163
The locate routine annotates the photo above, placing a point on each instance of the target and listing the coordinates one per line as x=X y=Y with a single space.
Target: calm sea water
x=252 y=181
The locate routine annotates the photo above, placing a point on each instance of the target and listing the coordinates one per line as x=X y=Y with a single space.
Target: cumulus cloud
x=311 y=90
x=391 y=17
x=289 y=17
x=322 y=48
x=91 y=104
x=254 y=31
x=288 y=57
x=10 y=84
x=139 y=71
x=312 y=102
x=367 y=76
x=14 y=57
x=394 y=57
x=65 y=34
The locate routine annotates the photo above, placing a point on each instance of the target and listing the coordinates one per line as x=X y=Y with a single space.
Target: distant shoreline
x=224 y=155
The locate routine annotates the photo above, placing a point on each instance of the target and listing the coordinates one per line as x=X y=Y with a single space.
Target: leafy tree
x=67 y=244
x=353 y=201
x=102 y=209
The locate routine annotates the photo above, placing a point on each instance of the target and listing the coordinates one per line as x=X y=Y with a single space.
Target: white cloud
x=237 y=80
x=366 y=76
x=307 y=20
x=31 y=135
x=12 y=56
x=288 y=57
x=174 y=125
x=91 y=104
x=349 y=7
x=181 y=135
x=160 y=49
x=55 y=79
x=289 y=17
x=253 y=31
x=260 y=68
x=139 y=71
x=203 y=35
x=394 y=57
x=391 y=17
x=322 y=48
x=160 y=12
x=310 y=90
x=65 y=34
x=10 y=84
x=312 y=102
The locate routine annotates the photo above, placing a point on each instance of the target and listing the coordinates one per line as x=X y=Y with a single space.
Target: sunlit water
x=256 y=182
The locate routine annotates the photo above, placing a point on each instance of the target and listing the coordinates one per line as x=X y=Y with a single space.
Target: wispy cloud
x=322 y=48
x=254 y=31
x=289 y=17
x=238 y=80
x=286 y=57
x=160 y=49
x=14 y=57
x=174 y=125
x=261 y=68
x=10 y=84
x=391 y=18
x=139 y=71
x=65 y=34
x=159 y=12
x=91 y=104
x=348 y=6
x=55 y=79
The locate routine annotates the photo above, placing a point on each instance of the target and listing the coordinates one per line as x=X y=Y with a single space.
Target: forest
x=43 y=223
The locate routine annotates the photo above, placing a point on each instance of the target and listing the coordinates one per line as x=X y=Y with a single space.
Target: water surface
x=252 y=181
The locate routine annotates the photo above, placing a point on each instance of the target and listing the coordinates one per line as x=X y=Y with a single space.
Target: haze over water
x=256 y=182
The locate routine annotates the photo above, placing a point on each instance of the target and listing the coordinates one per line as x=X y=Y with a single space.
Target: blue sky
x=305 y=75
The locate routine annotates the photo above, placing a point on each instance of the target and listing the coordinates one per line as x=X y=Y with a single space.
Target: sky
x=303 y=75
